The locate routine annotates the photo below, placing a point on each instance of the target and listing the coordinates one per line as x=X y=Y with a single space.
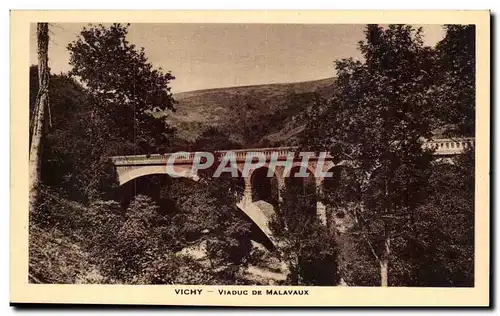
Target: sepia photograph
x=269 y=157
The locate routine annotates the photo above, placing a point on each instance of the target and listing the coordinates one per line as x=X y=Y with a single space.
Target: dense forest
x=406 y=218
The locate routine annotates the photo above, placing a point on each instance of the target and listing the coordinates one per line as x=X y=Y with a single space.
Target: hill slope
x=248 y=113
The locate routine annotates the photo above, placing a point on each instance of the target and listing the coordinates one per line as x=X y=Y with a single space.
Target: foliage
x=123 y=85
x=304 y=243
x=446 y=227
x=132 y=240
x=209 y=214
x=455 y=89
x=355 y=260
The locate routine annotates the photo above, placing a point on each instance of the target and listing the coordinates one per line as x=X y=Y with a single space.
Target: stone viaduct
x=132 y=167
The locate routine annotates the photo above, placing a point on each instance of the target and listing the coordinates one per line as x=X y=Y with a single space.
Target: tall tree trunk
x=384 y=263
x=384 y=267
x=37 y=121
x=384 y=258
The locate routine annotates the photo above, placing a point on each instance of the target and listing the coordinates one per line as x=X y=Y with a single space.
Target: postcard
x=250 y=158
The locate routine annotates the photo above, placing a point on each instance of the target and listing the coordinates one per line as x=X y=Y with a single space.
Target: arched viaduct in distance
x=131 y=167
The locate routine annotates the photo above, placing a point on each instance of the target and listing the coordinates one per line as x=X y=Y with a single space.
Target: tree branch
x=370 y=246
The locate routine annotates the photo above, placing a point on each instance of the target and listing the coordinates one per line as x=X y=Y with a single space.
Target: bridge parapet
x=188 y=157
x=449 y=146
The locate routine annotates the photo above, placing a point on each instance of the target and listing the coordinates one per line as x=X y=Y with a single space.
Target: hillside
x=248 y=114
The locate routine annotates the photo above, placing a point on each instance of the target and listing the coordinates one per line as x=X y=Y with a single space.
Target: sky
x=203 y=56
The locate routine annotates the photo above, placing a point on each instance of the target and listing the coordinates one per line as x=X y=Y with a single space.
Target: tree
x=37 y=119
x=456 y=87
x=378 y=118
x=123 y=86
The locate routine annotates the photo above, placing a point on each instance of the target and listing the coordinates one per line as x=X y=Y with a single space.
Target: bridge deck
x=442 y=147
